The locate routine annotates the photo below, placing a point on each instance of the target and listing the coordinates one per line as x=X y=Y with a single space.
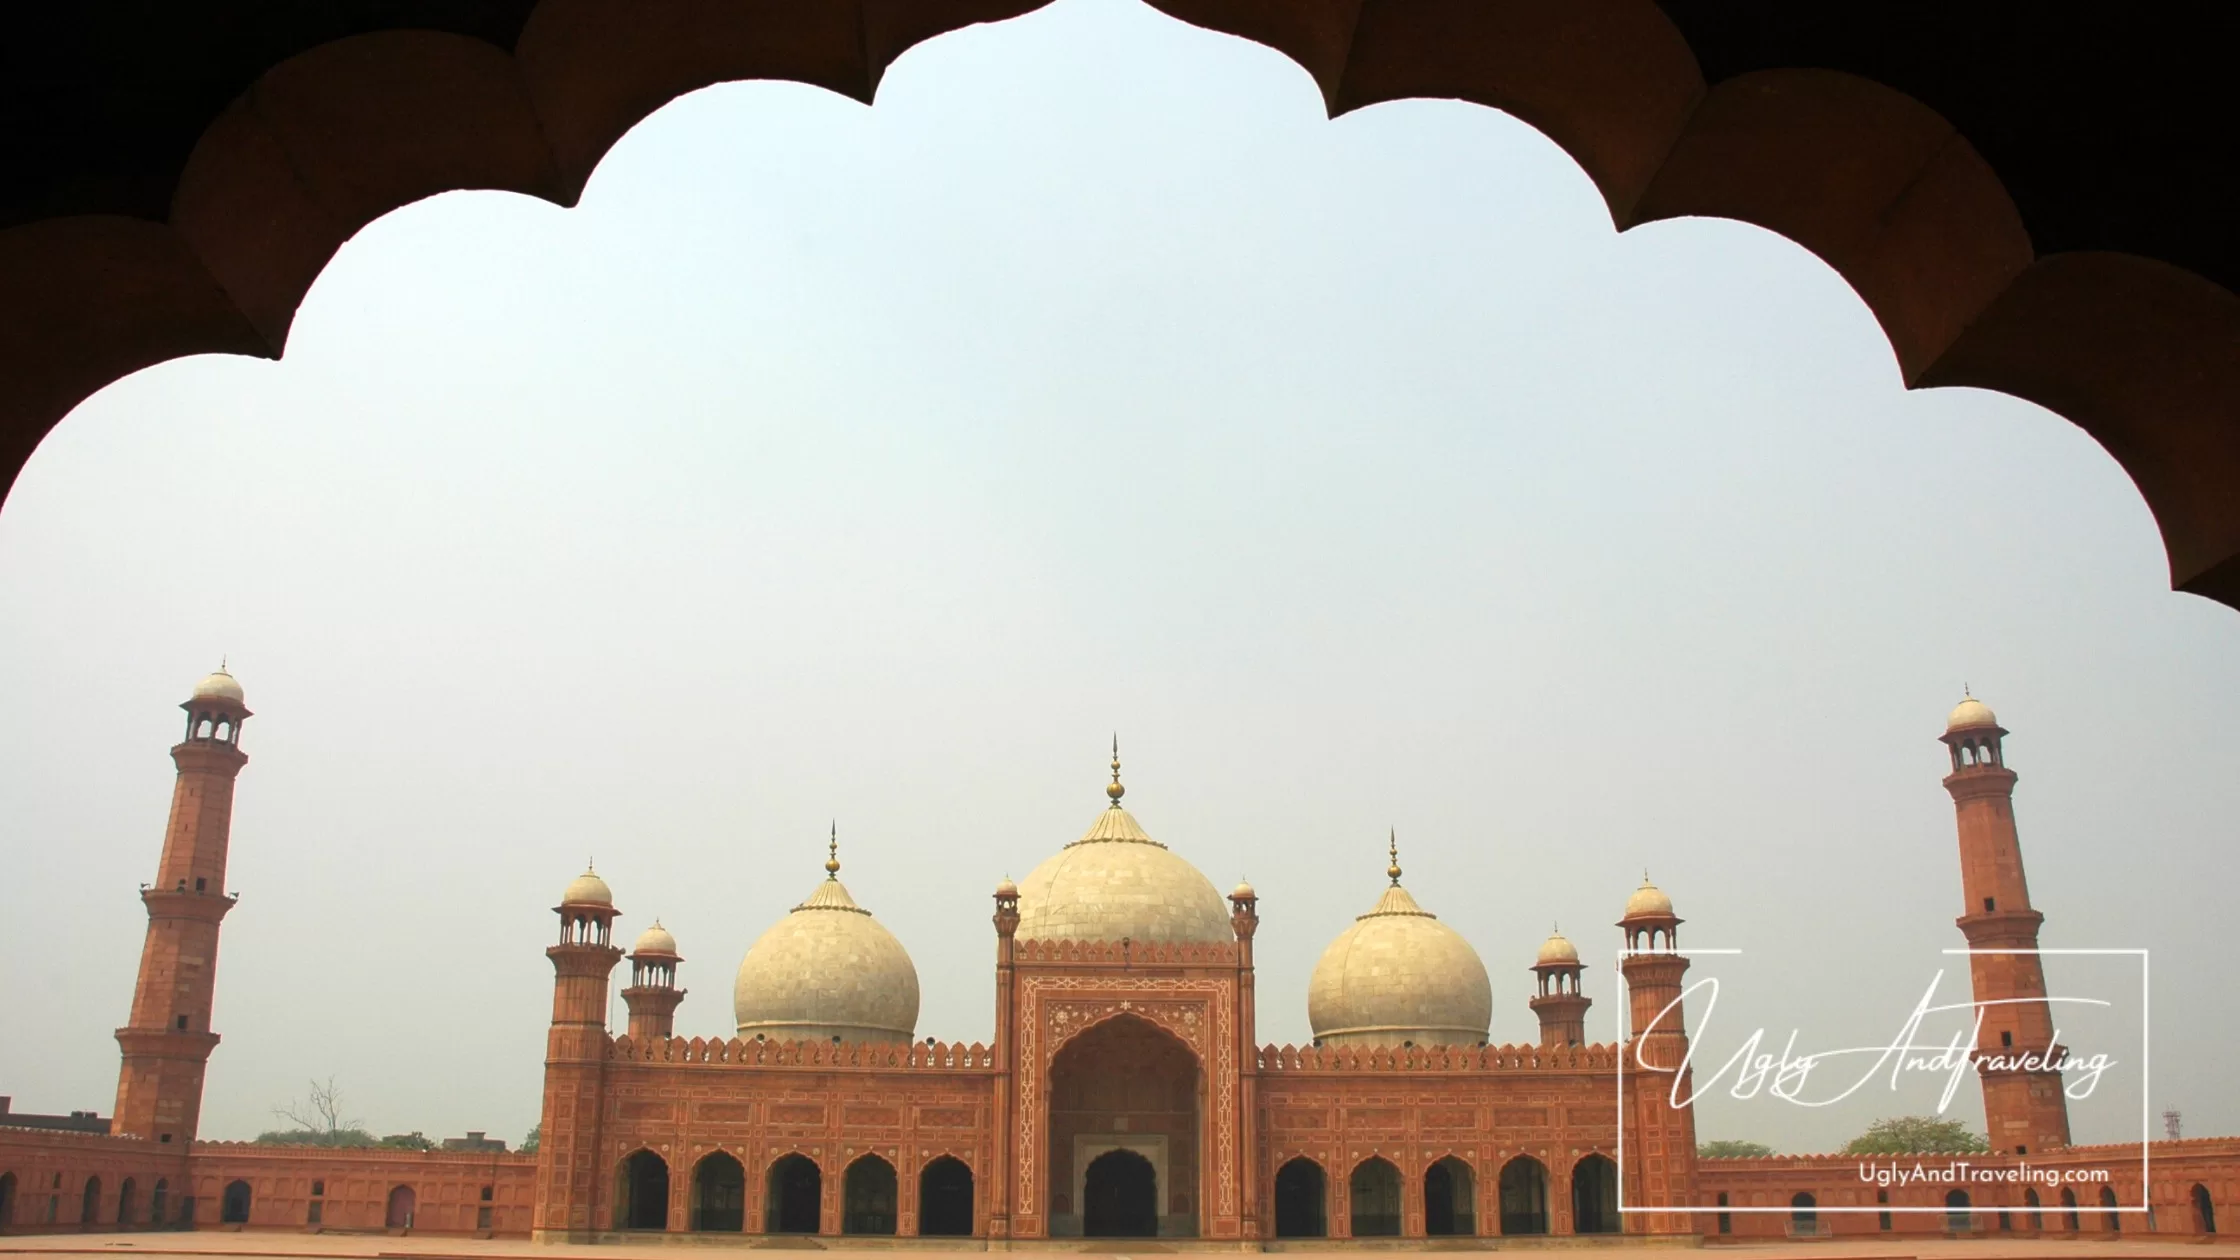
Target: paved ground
x=280 y=1246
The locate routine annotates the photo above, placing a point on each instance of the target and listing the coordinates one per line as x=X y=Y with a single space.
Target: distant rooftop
x=76 y=1121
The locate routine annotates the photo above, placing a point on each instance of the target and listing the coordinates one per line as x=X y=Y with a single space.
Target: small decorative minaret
x=167 y=1044
x=1660 y=1165
x=1244 y=917
x=1562 y=1008
x=653 y=993
x=2023 y=1104
x=569 y=1168
x=1006 y=1054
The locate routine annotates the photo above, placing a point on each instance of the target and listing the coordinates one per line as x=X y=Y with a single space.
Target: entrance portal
x=1125 y=1084
x=1120 y=1197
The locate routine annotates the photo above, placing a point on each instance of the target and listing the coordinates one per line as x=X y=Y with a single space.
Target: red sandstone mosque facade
x=1124 y=1091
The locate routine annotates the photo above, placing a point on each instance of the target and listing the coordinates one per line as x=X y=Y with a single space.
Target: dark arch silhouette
x=7 y=1199
x=2108 y=1213
x=2037 y=1215
x=1449 y=1199
x=125 y=1195
x=1594 y=1196
x=1959 y=1213
x=2069 y=1205
x=156 y=1203
x=793 y=1196
x=1374 y=1189
x=719 y=1194
x=2204 y=1211
x=1302 y=1193
x=233 y=1205
x=869 y=1199
x=642 y=1192
x=1804 y=1212
x=1120 y=1197
x=1999 y=243
x=1524 y=1196
x=89 y=1203
x=403 y=1202
x=945 y=1198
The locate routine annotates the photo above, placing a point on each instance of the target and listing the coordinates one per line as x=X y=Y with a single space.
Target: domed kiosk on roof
x=1117 y=883
x=1399 y=976
x=827 y=971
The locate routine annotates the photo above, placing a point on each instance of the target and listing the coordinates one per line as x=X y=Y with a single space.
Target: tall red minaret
x=168 y=1043
x=568 y=1167
x=2023 y=1106
x=1660 y=1164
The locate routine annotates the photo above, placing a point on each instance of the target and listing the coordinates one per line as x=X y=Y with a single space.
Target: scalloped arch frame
x=2142 y=355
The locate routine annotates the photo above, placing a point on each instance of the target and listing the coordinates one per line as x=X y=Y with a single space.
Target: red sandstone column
x=2023 y=1104
x=1244 y=916
x=168 y=1041
x=1003 y=1128
x=1660 y=1143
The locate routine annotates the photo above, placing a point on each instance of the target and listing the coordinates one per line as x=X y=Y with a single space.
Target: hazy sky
x=879 y=463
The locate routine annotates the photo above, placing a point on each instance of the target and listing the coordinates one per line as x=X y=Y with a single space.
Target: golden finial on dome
x=832 y=853
x=1392 y=851
x=1114 y=790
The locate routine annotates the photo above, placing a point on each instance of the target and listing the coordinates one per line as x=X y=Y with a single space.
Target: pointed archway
x=1128 y=1086
x=1302 y=1195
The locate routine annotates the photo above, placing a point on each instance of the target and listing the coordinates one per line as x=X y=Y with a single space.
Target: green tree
x=408 y=1142
x=1732 y=1148
x=1916 y=1135
x=535 y=1139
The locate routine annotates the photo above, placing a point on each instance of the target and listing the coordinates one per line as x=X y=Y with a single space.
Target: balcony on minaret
x=653 y=994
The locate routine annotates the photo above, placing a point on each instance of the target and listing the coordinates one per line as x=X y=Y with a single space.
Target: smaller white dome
x=221 y=685
x=1970 y=712
x=1007 y=888
x=1243 y=892
x=655 y=940
x=1558 y=950
x=1648 y=900
x=587 y=889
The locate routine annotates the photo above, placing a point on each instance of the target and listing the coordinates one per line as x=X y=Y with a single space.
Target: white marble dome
x=1557 y=949
x=1970 y=712
x=1648 y=899
x=655 y=940
x=1118 y=883
x=827 y=971
x=1398 y=975
x=221 y=685
x=587 y=889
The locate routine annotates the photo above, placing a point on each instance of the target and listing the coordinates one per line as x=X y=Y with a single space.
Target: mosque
x=1123 y=1092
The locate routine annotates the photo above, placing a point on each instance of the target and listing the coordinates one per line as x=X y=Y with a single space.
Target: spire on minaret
x=1114 y=790
x=1392 y=855
x=832 y=853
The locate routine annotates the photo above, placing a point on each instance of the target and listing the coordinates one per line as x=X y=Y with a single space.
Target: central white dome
x=1118 y=883
x=827 y=971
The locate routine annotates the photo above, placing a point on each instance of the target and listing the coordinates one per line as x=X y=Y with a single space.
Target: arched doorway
x=7 y=1199
x=945 y=1199
x=2069 y=1207
x=793 y=1196
x=1302 y=1190
x=155 y=1202
x=2204 y=1212
x=1959 y=1218
x=402 y=1203
x=1594 y=1196
x=233 y=1205
x=1125 y=1084
x=641 y=1198
x=1448 y=1190
x=89 y=1203
x=124 y=1202
x=719 y=1194
x=2037 y=1219
x=1524 y=1196
x=1375 y=1193
x=868 y=1201
x=1804 y=1213
x=2113 y=1222
x=1120 y=1197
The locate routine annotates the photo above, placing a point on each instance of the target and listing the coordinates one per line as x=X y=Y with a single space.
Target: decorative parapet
x=936 y=1056
x=365 y=1154
x=1507 y=1058
x=1129 y=953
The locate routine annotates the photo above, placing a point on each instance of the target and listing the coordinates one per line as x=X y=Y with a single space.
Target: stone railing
x=933 y=1056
